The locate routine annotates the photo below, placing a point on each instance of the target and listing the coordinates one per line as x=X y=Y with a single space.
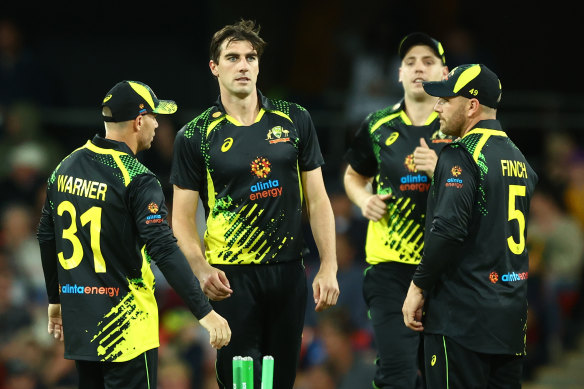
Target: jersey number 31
x=91 y=216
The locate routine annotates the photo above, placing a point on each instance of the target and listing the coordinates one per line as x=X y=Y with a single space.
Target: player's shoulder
x=200 y=122
x=457 y=146
x=471 y=143
x=288 y=108
x=71 y=160
x=388 y=115
x=457 y=153
x=134 y=166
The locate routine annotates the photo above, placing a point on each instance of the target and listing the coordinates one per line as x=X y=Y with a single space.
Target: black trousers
x=384 y=288
x=137 y=373
x=449 y=365
x=266 y=316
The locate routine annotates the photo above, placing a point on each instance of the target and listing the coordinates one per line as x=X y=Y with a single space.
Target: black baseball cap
x=128 y=99
x=473 y=81
x=420 y=38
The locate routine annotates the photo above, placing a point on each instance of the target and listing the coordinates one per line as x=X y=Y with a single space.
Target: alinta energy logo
x=277 y=134
x=155 y=218
x=97 y=290
x=261 y=168
x=508 y=277
x=454 y=181
x=413 y=182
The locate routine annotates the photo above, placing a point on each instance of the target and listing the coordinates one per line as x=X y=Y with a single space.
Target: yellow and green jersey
x=383 y=148
x=104 y=219
x=476 y=262
x=249 y=181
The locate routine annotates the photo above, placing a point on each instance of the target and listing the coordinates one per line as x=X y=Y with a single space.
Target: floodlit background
x=339 y=60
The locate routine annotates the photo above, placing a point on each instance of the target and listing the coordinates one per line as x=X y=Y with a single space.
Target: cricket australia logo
x=277 y=134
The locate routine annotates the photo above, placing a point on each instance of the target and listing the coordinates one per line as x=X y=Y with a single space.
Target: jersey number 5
x=514 y=191
x=92 y=216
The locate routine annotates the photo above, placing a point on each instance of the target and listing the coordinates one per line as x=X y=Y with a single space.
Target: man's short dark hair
x=244 y=30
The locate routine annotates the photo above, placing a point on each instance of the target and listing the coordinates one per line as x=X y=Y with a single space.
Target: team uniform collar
x=111 y=144
x=489 y=127
x=491 y=124
x=401 y=108
x=218 y=110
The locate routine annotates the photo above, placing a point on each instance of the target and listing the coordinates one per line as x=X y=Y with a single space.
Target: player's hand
x=412 y=308
x=218 y=328
x=325 y=289
x=425 y=158
x=214 y=283
x=375 y=207
x=55 y=327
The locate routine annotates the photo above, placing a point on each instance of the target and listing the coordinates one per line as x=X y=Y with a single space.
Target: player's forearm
x=175 y=269
x=322 y=223
x=439 y=254
x=357 y=187
x=195 y=257
x=49 y=263
x=190 y=244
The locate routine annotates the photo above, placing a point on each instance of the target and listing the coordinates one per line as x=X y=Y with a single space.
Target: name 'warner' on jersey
x=386 y=139
x=249 y=179
x=106 y=286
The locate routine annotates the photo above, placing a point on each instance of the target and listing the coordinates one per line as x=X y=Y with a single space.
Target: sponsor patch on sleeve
x=155 y=217
x=455 y=181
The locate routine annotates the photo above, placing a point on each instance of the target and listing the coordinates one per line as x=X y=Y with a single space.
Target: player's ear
x=138 y=122
x=473 y=107
x=213 y=67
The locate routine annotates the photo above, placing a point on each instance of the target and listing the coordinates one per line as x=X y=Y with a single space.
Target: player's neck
x=472 y=122
x=244 y=109
x=129 y=141
x=419 y=110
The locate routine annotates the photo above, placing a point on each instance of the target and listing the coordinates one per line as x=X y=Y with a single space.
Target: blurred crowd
x=338 y=349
